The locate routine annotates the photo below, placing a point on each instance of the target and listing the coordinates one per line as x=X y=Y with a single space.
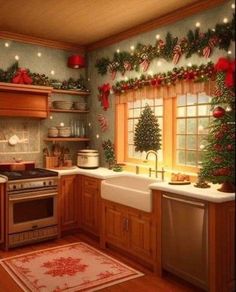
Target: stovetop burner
x=26 y=174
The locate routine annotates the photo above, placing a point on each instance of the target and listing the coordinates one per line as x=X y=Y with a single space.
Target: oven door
x=32 y=210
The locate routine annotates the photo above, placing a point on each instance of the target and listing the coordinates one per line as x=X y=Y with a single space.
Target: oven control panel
x=27 y=184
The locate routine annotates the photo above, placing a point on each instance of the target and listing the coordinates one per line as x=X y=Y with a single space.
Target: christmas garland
x=196 y=42
x=15 y=74
x=194 y=73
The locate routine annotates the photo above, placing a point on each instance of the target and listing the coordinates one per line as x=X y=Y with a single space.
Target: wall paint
x=207 y=19
x=51 y=59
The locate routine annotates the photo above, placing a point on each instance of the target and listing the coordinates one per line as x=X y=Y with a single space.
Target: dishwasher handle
x=197 y=204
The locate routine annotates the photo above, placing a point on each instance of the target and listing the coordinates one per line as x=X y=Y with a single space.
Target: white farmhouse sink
x=129 y=190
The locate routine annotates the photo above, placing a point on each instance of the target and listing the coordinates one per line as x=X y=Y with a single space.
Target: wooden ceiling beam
x=42 y=42
x=167 y=19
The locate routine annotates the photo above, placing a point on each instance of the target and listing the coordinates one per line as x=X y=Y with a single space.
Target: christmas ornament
x=104 y=92
x=227 y=66
x=112 y=69
x=76 y=61
x=103 y=122
x=22 y=77
x=230 y=147
x=218 y=112
x=177 y=52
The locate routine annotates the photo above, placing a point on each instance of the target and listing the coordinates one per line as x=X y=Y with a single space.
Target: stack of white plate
x=64 y=131
x=52 y=132
x=63 y=104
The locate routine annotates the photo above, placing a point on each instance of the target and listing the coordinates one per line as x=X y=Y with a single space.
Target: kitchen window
x=135 y=108
x=183 y=120
x=192 y=120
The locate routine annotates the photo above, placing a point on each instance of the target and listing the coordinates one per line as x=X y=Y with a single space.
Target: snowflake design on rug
x=64 y=266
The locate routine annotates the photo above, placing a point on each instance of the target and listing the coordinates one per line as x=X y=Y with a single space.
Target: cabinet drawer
x=90 y=183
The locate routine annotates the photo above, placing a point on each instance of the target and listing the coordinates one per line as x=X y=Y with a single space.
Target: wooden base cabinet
x=128 y=229
x=89 y=210
x=2 y=207
x=69 y=203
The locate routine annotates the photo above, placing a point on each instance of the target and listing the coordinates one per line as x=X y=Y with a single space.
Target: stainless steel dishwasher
x=184 y=238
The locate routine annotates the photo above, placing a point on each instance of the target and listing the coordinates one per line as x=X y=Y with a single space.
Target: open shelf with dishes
x=72 y=92
x=66 y=139
x=68 y=111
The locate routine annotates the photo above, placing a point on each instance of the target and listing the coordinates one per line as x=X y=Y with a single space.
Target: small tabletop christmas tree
x=147 y=134
x=218 y=164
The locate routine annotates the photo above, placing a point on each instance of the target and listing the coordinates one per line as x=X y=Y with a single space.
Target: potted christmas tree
x=218 y=164
x=147 y=134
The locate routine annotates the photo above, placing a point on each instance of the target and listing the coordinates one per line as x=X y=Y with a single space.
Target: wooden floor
x=149 y=283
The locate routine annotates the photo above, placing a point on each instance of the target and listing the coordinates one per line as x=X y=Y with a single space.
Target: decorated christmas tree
x=218 y=164
x=147 y=134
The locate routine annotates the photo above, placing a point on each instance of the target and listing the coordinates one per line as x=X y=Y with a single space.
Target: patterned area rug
x=71 y=267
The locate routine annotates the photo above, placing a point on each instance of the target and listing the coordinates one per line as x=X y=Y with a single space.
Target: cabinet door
x=116 y=225
x=2 y=196
x=141 y=234
x=90 y=205
x=69 y=202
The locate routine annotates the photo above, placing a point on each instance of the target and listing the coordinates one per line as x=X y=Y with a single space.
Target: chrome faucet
x=154 y=153
x=156 y=169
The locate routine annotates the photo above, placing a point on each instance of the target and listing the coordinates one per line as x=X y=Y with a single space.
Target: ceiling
x=81 y=22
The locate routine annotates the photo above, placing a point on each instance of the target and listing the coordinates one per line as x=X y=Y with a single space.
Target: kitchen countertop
x=209 y=194
x=3 y=179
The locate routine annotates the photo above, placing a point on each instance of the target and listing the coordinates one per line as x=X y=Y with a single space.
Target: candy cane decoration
x=112 y=70
x=103 y=122
x=177 y=52
x=209 y=48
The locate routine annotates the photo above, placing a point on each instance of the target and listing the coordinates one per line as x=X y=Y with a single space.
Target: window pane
x=181 y=126
x=130 y=137
x=200 y=157
x=191 y=111
x=137 y=103
x=180 y=142
x=191 y=126
x=130 y=150
x=158 y=101
x=181 y=157
x=191 y=142
x=202 y=142
x=159 y=111
x=137 y=113
x=181 y=112
x=203 y=125
x=203 y=110
x=203 y=98
x=181 y=100
x=191 y=99
x=130 y=125
x=191 y=158
x=131 y=113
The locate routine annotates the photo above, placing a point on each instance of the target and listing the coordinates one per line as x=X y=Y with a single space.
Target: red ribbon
x=104 y=94
x=227 y=66
x=22 y=77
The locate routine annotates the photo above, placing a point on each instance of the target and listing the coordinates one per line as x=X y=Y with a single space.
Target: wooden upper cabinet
x=20 y=100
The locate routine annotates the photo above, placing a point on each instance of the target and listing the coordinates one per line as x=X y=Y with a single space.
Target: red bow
x=104 y=94
x=227 y=66
x=22 y=77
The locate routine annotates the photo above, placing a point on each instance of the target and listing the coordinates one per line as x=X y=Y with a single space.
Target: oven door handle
x=21 y=198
